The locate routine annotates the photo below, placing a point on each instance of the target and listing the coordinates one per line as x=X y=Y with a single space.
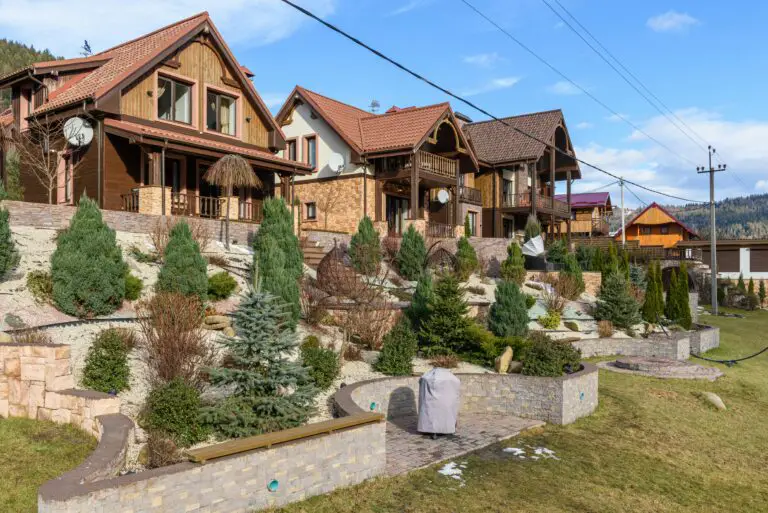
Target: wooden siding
x=758 y=260
x=654 y=216
x=138 y=100
x=122 y=170
x=484 y=182
x=656 y=238
x=86 y=179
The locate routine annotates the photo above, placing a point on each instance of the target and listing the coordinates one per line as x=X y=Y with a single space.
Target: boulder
x=218 y=319
x=515 y=367
x=216 y=327
x=502 y=361
x=5 y=338
x=714 y=400
x=229 y=331
x=572 y=325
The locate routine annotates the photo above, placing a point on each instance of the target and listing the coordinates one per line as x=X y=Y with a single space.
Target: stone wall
x=326 y=240
x=559 y=400
x=704 y=339
x=55 y=217
x=677 y=347
x=338 y=201
x=237 y=483
x=592 y=281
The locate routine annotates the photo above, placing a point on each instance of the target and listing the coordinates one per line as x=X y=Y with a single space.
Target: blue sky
x=703 y=59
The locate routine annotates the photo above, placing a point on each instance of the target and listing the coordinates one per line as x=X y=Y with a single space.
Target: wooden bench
x=288 y=435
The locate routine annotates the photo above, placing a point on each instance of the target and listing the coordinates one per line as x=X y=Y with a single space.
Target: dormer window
x=174 y=100
x=221 y=113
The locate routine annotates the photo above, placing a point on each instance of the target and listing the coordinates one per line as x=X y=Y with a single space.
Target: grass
x=32 y=452
x=652 y=446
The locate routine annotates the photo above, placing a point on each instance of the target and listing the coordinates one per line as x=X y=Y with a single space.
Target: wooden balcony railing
x=523 y=199
x=600 y=226
x=251 y=212
x=646 y=254
x=435 y=164
x=131 y=201
x=192 y=205
x=439 y=230
x=470 y=195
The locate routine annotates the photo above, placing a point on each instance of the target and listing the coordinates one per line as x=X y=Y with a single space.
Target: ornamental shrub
x=740 y=284
x=365 y=248
x=615 y=304
x=398 y=351
x=184 y=269
x=684 y=319
x=508 y=316
x=513 y=268
x=422 y=297
x=652 y=310
x=672 y=309
x=466 y=259
x=106 y=365
x=547 y=357
x=87 y=266
x=310 y=341
x=572 y=270
x=133 y=286
x=221 y=285
x=751 y=287
x=444 y=329
x=173 y=409
x=40 y=285
x=467 y=227
x=529 y=301
x=9 y=255
x=14 y=190
x=532 y=228
x=761 y=292
x=412 y=254
x=556 y=251
x=550 y=321
x=323 y=365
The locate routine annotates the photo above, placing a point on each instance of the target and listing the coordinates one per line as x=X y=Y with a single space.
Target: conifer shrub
x=444 y=329
x=14 y=190
x=761 y=292
x=467 y=227
x=133 y=287
x=9 y=255
x=652 y=309
x=615 y=304
x=572 y=271
x=310 y=341
x=87 y=266
x=365 y=248
x=323 y=365
x=184 y=269
x=106 y=365
x=422 y=297
x=684 y=319
x=556 y=251
x=466 y=259
x=40 y=285
x=398 y=351
x=547 y=357
x=529 y=301
x=412 y=254
x=532 y=228
x=268 y=391
x=751 y=287
x=513 y=267
x=221 y=285
x=740 y=286
x=672 y=308
x=551 y=320
x=173 y=409
x=278 y=258
x=508 y=316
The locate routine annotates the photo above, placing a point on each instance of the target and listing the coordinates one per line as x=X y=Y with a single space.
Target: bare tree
x=329 y=198
x=42 y=150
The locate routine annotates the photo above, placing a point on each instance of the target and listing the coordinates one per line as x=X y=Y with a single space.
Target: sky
x=704 y=60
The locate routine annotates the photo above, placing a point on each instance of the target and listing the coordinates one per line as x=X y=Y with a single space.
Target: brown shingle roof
x=496 y=143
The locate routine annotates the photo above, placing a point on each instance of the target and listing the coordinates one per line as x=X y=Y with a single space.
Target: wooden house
x=589 y=214
x=654 y=226
x=163 y=107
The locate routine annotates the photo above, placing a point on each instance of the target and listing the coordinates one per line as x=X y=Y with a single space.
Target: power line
x=572 y=82
x=471 y=104
x=601 y=187
x=636 y=196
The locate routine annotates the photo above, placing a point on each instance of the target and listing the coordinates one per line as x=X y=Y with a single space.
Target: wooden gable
x=653 y=216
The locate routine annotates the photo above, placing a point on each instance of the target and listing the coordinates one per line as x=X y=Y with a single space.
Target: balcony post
x=568 y=200
x=457 y=201
x=552 y=157
x=534 y=189
x=415 y=187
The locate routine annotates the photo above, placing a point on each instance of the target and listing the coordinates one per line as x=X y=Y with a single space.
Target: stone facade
x=237 y=483
x=592 y=281
x=55 y=217
x=676 y=347
x=559 y=400
x=338 y=203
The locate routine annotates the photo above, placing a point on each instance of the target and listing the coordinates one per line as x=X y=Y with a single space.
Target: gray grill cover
x=438 y=402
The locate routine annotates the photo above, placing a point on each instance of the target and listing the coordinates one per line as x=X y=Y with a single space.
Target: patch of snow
x=453 y=470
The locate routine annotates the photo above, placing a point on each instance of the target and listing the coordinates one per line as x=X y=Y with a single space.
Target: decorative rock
x=212 y=320
x=515 y=367
x=714 y=400
x=215 y=327
x=5 y=338
x=572 y=325
x=229 y=331
x=503 y=360
x=535 y=286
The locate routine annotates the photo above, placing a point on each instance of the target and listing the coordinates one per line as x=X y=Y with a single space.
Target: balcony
x=149 y=200
x=546 y=204
x=590 y=226
x=439 y=230
x=470 y=195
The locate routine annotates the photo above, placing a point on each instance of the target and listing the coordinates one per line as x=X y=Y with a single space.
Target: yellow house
x=656 y=227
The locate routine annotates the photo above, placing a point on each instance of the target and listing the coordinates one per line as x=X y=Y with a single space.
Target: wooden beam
x=552 y=157
x=414 y=188
x=534 y=189
x=568 y=200
x=378 y=200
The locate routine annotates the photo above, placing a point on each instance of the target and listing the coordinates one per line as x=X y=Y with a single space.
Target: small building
x=656 y=227
x=746 y=257
x=589 y=214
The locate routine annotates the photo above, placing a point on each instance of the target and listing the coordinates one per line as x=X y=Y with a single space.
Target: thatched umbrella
x=231 y=171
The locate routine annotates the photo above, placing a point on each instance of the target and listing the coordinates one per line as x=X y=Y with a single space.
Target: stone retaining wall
x=54 y=217
x=592 y=281
x=559 y=400
x=678 y=346
x=704 y=338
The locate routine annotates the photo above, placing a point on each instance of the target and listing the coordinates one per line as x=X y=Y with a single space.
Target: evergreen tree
x=9 y=255
x=466 y=259
x=397 y=351
x=652 y=310
x=277 y=254
x=615 y=304
x=761 y=292
x=184 y=269
x=610 y=265
x=508 y=316
x=740 y=284
x=412 y=255
x=572 y=269
x=422 y=298
x=751 y=287
x=87 y=268
x=513 y=268
x=659 y=287
x=532 y=228
x=365 y=248
x=556 y=251
x=672 y=307
x=14 y=190
x=684 y=307
x=269 y=390
x=444 y=330
x=467 y=227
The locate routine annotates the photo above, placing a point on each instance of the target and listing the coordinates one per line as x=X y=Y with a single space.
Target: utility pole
x=623 y=215
x=712 y=230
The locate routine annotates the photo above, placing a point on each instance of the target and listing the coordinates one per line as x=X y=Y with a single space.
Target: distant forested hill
x=14 y=56
x=745 y=217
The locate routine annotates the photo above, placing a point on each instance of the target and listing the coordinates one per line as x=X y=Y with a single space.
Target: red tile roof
x=587 y=199
x=172 y=135
x=345 y=119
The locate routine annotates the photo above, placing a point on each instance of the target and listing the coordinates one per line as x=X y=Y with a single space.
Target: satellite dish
x=336 y=163
x=78 y=131
x=442 y=196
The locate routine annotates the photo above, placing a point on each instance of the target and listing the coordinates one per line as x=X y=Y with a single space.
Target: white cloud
x=483 y=60
x=584 y=125
x=762 y=185
x=564 y=88
x=273 y=100
x=615 y=118
x=493 y=85
x=671 y=21
x=407 y=7
x=62 y=26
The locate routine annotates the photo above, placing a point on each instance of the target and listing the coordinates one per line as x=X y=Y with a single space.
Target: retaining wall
x=678 y=346
x=55 y=217
x=559 y=400
x=704 y=338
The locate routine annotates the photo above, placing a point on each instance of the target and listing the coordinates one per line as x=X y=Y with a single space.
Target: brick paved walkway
x=408 y=449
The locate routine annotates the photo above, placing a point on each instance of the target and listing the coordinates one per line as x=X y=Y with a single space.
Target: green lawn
x=33 y=452
x=652 y=446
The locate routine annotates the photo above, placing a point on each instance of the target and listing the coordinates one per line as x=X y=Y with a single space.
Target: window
x=311 y=211
x=174 y=100
x=665 y=229
x=472 y=224
x=645 y=230
x=311 y=151
x=290 y=150
x=221 y=113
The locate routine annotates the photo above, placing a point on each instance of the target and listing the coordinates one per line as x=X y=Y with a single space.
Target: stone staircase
x=313 y=252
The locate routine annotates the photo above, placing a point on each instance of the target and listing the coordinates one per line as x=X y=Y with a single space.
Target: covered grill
x=439 y=393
